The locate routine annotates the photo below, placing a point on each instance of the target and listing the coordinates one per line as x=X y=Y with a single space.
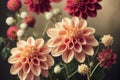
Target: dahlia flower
x=82 y=8
x=30 y=59
x=107 y=58
x=11 y=32
x=56 y=1
x=14 y=5
x=72 y=38
x=29 y=20
x=38 y=6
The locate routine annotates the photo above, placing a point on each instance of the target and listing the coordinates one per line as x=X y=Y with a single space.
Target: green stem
x=88 y=77
x=72 y=75
x=95 y=68
x=43 y=33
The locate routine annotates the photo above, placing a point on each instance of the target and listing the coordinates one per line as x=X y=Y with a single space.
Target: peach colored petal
x=39 y=43
x=82 y=24
x=45 y=73
x=15 y=68
x=31 y=41
x=50 y=43
x=89 y=31
x=88 y=50
x=71 y=45
x=13 y=59
x=36 y=70
x=66 y=21
x=45 y=49
x=62 y=33
x=68 y=56
x=82 y=41
x=30 y=76
x=35 y=61
x=75 y=21
x=52 y=32
x=26 y=68
x=57 y=40
x=77 y=47
x=50 y=60
x=92 y=41
x=80 y=57
x=59 y=25
x=14 y=51
x=42 y=57
x=43 y=65
x=22 y=75
x=21 y=43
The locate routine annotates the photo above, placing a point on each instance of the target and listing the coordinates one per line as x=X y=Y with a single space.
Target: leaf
x=2 y=41
x=5 y=52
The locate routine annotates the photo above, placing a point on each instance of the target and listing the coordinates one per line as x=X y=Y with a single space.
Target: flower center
x=29 y=51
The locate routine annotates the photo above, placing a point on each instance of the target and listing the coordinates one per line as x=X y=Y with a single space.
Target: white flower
x=23 y=14
x=83 y=69
x=10 y=20
x=107 y=40
x=49 y=15
x=56 y=11
x=23 y=26
x=57 y=69
x=20 y=33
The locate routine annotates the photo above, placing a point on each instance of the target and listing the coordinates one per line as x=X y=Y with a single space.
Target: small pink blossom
x=38 y=6
x=107 y=58
x=29 y=20
x=14 y=5
x=72 y=38
x=11 y=32
x=30 y=59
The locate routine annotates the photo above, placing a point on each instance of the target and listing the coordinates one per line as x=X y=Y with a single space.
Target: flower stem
x=88 y=77
x=71 y=75
x=95 y=69
x=43 y=33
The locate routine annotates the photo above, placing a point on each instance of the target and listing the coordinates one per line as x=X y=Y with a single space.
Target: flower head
x=107 y=58
x=72 y=38
x=11 y=32
x=30 y=59
x=57 y=69
x=14 y=5
x=10 y=20
x=83 y=69
x=107 y=40
x=38 y=6
x=29 y=20
x=82 y=8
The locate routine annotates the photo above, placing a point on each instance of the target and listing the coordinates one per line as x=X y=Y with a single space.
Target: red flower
x=11 y=32
x=82 y=8
x=14 y=5
x=56 y=1
x=29 y=20
x=38 y=6
x=107 y=57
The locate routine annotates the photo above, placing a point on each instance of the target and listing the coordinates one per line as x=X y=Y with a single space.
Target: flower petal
x=52 y=32
x=66 y=21
x=88 y=31
x=31 y=41
x=42 y=57
x=35 y=61
x=45 y=73
x=39 y=43
x=88 y=50
x=26 y=68
x=13 y=58
x=22 y=75
x=80 y=57
x=82 y=23
x=92 y=13
x=75 y=21
x=21 y=43
x=59 y=25
x=30 y=76
x=50 y=60
x=15 y=68
x=45 y=49
x=14 y=51
x=43 y=65
x=68 y=56
x=77 y=47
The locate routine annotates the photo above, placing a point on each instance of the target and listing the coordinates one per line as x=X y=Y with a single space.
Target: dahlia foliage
x=60 y=52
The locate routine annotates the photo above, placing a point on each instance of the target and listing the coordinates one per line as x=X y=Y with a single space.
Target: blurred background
x=106 y=22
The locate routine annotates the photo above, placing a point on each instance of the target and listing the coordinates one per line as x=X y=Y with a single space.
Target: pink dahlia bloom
x=72 y=38
x=11 y=32
x=38 y=6
x=30 y=59
x=56 y=1
x=14 y=5
x=107 y=58
x=82 y=8
x=29 y=20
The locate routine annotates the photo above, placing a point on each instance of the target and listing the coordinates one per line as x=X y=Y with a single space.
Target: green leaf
x=2 y=41
x=5 y=52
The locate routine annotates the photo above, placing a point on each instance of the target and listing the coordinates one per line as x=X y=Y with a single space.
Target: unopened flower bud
x=56 y=11
x=20 y=33
x=23 y=26
x=10 y=20
x=23 y=14
x=57 y=69
x=48 y=15
x=83 y=69
x=107 y=40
